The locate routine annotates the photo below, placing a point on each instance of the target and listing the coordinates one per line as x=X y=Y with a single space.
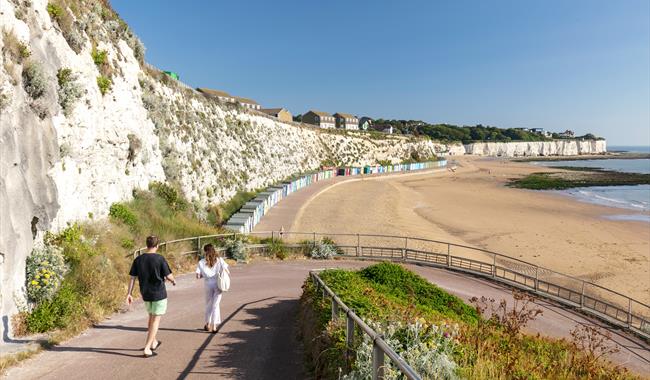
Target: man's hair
x=152 y=241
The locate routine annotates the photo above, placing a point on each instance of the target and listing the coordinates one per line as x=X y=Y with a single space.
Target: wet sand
x=472 y=206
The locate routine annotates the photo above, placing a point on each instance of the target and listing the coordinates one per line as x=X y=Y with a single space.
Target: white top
x=210 y=274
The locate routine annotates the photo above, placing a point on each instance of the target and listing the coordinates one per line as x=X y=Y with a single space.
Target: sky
x=582 y=65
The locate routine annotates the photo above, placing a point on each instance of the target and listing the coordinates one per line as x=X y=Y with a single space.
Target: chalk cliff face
x=538 y=148
x=68 y=150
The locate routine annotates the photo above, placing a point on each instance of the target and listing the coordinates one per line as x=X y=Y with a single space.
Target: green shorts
x=156 y=307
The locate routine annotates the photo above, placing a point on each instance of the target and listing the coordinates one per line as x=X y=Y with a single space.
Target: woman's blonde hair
x=211 y=255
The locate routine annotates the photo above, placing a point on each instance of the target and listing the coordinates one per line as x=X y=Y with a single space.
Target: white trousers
x=212 y=300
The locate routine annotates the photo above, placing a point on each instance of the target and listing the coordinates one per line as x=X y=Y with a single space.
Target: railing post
x=358 y=245
x=582 y=295
x=536 y=278
x=494 y=265
x=377 y=361
x=198 y=246
x=314 y=238
x=629 y=313
x=349 y=335
x=335 y=310
x=406 y=244
x=448 y=255
x=272 y=236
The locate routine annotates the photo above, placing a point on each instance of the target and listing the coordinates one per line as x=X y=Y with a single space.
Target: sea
x=634 y=201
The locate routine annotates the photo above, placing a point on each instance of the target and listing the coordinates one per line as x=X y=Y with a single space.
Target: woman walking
x=209 y=269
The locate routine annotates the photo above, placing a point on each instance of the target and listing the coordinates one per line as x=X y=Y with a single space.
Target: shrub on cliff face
x=120 y=212
x=172 y=197
x=45 y=269
x=104 y=83
x=60 y=14
x=34 y=80
x=69 y=89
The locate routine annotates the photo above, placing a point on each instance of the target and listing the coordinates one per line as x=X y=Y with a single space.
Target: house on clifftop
x=217 y=94
x=281 y=113
x=320 y=119
x=346 y=121
x=248 y=103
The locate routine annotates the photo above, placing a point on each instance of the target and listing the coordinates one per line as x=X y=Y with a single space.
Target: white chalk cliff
x=537 y=148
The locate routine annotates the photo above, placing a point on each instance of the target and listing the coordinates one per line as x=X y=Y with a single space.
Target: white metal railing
x=603 y=303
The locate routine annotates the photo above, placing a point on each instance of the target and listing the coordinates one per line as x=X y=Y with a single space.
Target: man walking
x=151 y=269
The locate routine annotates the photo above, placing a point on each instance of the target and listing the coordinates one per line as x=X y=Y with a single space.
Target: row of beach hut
x=252 y=211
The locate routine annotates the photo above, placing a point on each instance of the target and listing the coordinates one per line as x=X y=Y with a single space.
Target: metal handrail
x=380 y=347
x=621 y=313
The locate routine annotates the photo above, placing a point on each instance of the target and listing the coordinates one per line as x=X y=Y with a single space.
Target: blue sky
x=581 y=65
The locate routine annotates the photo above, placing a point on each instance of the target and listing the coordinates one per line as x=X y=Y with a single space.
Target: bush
x=45 y=269
x=276 y=248
x=323 y=251
x=235 y=249
x=104 y=84
x=99 y=56
x=34 y=80
x=69 y=89
x=169 y=194
x=55 y=11
x=64 y=308
x=427 y=348
x=120 y=212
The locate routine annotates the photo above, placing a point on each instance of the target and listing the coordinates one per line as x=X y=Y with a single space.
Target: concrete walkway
x=257 y=339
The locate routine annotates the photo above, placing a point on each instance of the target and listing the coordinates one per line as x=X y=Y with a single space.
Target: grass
x=221 y=213
x=578 y=177
x=9 y=360
x=485 y=348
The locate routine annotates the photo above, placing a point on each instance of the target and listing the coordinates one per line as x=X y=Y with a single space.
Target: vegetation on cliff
x=572 y=177
x=480 y=342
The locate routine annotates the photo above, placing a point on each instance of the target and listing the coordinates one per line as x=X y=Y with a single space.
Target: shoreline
x=473 y=207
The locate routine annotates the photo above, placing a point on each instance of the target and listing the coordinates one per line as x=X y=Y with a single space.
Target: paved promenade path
x=257 y=338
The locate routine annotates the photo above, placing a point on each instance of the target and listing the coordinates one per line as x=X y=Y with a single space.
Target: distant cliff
x=537 y=148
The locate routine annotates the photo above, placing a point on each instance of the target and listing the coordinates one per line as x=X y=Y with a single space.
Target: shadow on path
x=195 y=358
x=267 y=348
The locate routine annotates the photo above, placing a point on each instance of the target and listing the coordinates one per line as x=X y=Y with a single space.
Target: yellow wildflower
x=46 y=275
x=34 y=282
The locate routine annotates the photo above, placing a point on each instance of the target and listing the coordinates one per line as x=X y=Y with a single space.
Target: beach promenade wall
x=537 y=148
x=62 y=166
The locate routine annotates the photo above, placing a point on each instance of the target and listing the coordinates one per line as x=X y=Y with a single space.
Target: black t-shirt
x=151 y=270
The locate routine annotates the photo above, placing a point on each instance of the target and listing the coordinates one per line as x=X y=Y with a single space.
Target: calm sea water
x=629 y=198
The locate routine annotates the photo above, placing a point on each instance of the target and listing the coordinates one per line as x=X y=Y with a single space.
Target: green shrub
x=55 y=11
x=276 y=248
x=104 y=84
x=127 y=243
x=45 y=269
x=59 y=312
x=325 y=249
x=34 y=80
x=169 y=194
x=399 y=281
x=120 y=212
x=100 y=57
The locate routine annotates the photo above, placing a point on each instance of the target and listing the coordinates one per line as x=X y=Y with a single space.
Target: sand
x=473 y=207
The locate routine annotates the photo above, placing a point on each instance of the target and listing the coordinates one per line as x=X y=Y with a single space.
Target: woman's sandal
x=158 y=345
x=145 y=355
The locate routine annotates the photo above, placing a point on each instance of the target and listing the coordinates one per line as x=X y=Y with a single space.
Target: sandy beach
x=472 y=206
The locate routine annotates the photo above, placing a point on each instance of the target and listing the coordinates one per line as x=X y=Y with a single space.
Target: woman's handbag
x=224 y=280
